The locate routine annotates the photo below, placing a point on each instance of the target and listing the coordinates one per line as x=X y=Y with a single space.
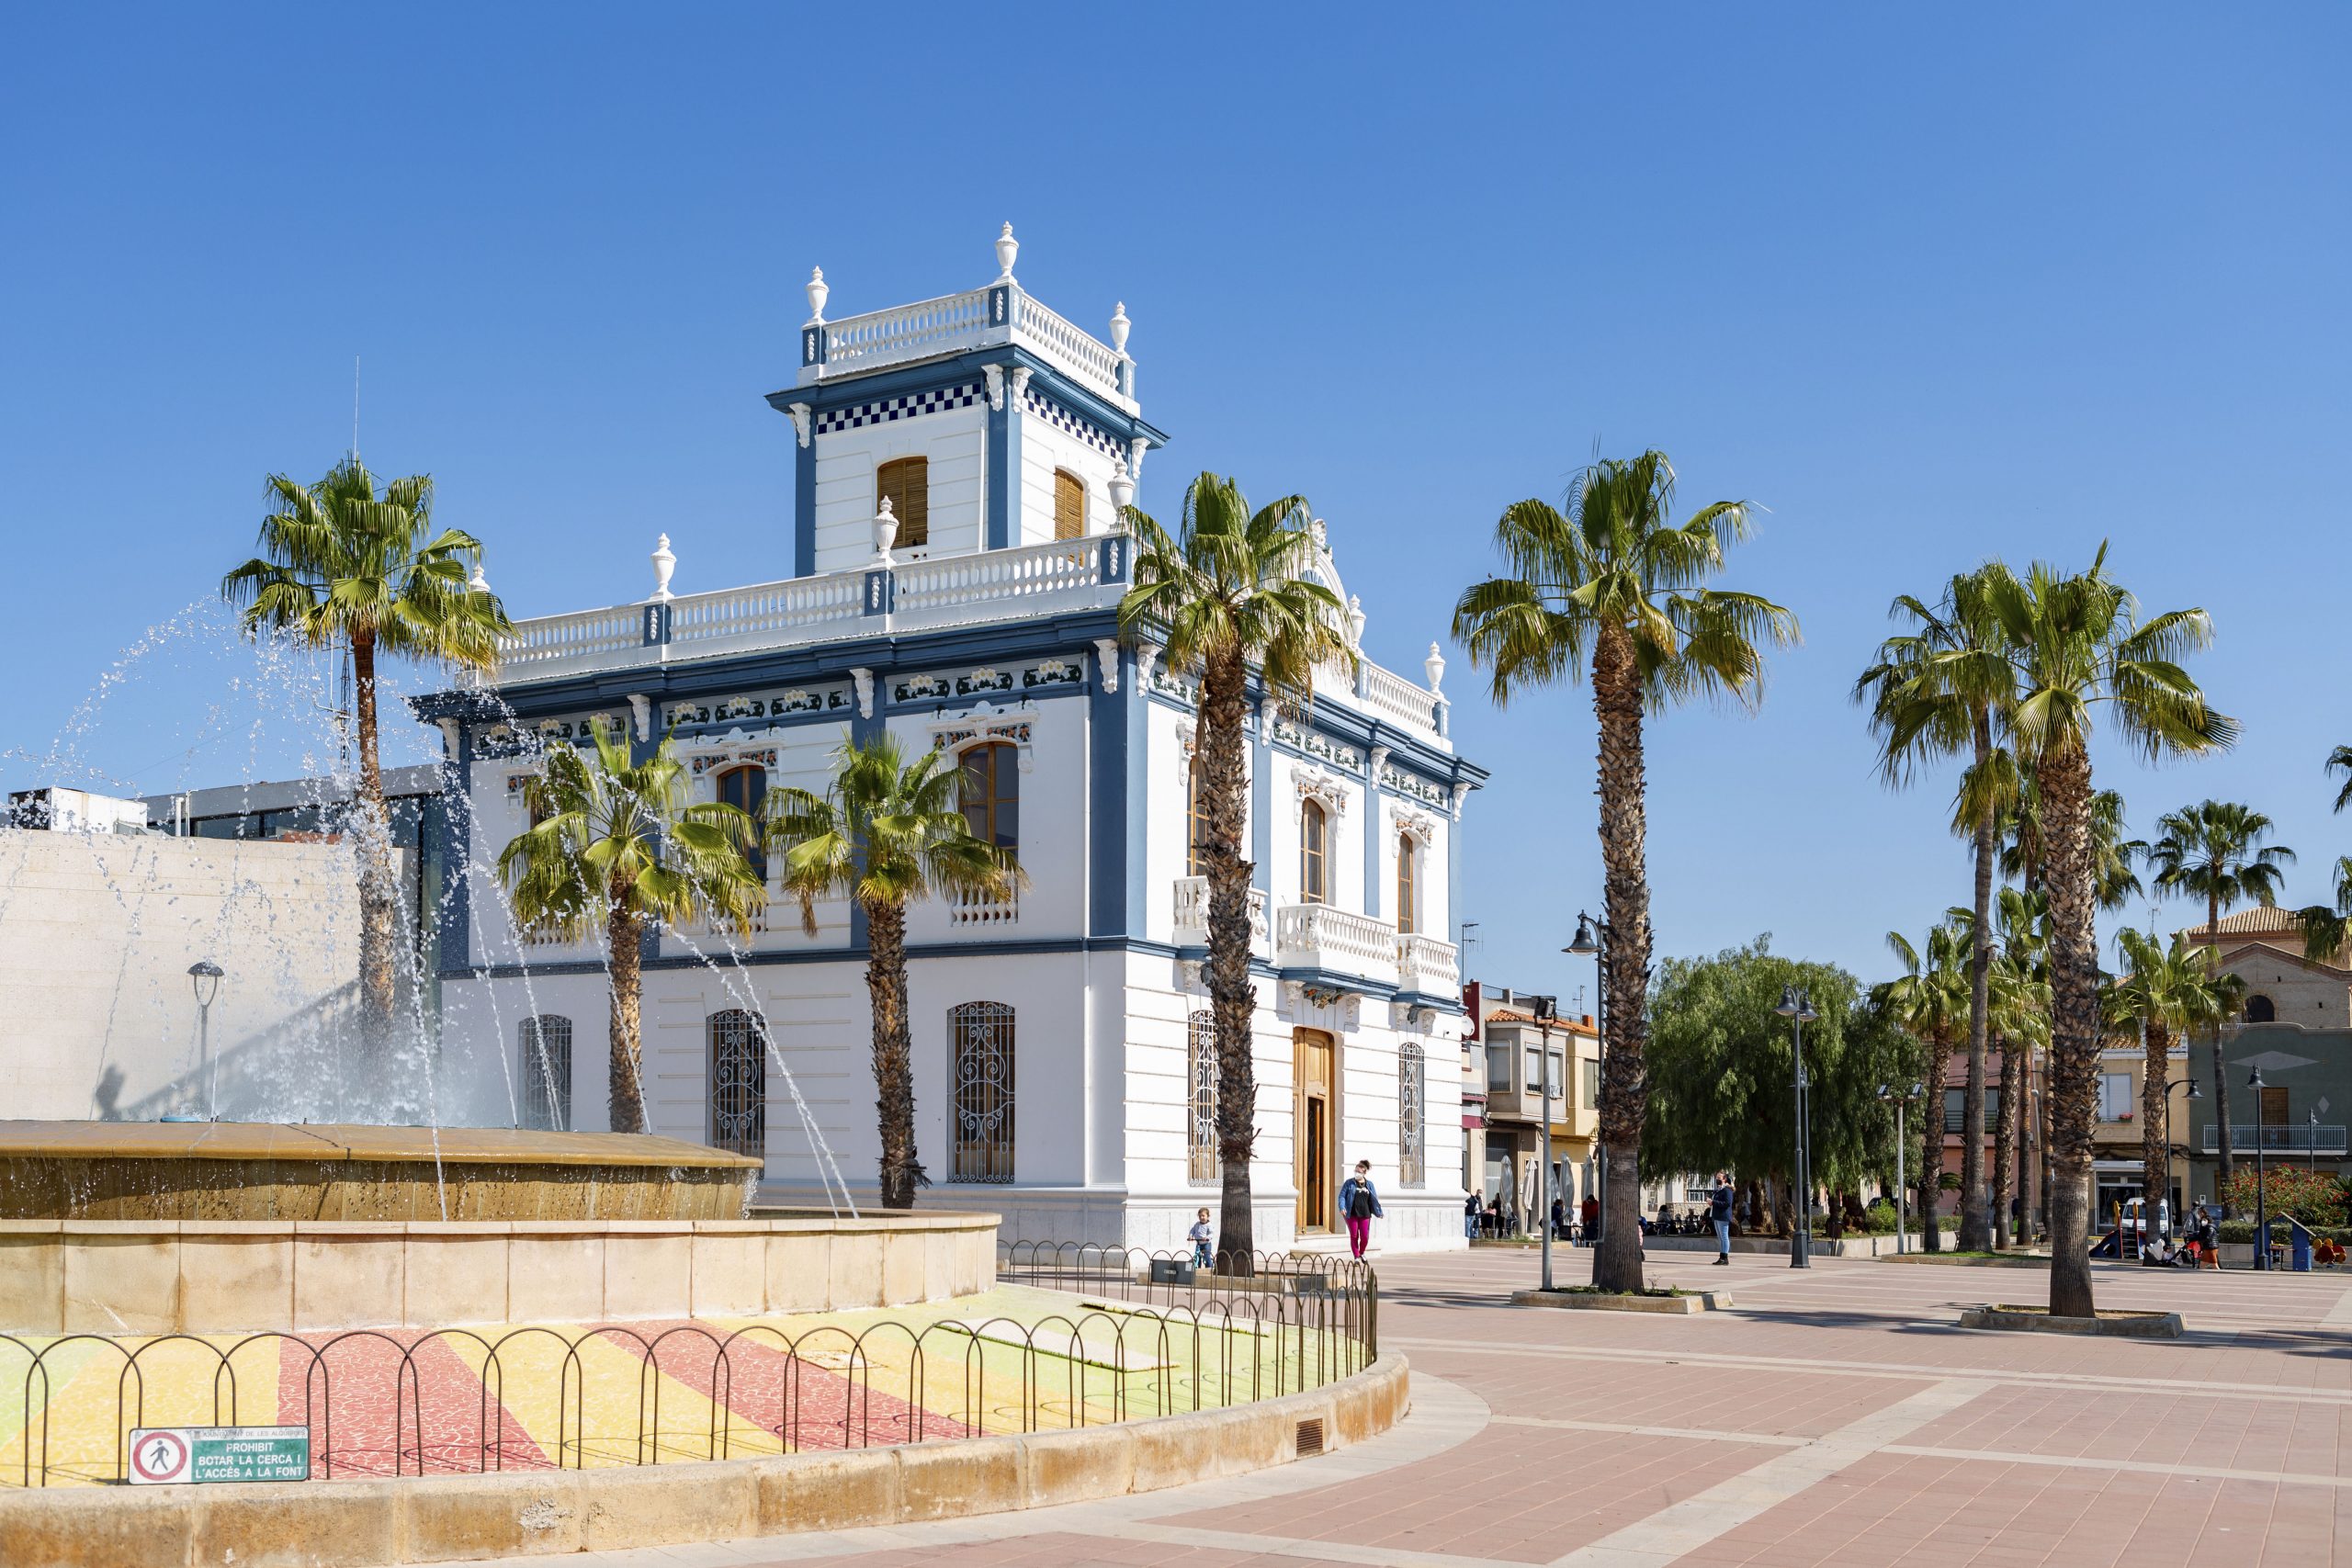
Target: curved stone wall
x=210 y=1277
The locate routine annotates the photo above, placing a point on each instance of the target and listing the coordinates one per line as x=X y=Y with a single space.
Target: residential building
x=1504 y=1056
x=951 y=576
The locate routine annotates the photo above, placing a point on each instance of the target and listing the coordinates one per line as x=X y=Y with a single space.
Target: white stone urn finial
x=1120 y=327
x=1355 y=621
x=885 y=533
x=1123 y=495
x=1435 y=665
x=478 y=583
x=1007 y=248
x=818 y=294
x=665 y=563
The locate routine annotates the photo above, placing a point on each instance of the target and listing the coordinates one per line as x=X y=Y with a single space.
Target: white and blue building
x=955 y=567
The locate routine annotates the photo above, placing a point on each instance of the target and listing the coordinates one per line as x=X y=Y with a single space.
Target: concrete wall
x=361 y=1524
x=202 y=1277
x=96 y=934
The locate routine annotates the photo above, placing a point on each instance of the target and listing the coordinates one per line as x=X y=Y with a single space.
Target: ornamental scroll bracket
x=1314 y=783
x=982 y=723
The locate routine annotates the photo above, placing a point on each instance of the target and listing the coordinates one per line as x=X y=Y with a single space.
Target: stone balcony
x=1426 y=966
x=1318 y=941
x=1193 y=915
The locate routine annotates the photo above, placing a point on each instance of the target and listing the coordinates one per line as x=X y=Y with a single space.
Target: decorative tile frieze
x=1315 y=744
x=1070 y=424
x=888 y=410
x=760 y=705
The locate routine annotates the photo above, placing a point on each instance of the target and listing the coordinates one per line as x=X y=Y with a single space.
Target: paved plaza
x=1836 y=1417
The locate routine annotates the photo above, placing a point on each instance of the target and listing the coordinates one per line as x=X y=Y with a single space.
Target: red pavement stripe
x=352 y=1383
x=768 y=1388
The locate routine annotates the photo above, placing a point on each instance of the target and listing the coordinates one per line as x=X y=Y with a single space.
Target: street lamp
x=204 y=975
x=2312 y=1117
x=1545 y=1007
x=1917 y=1091
x=2194 y=1093
x=1591 y=936
x=2261 y=1177
x=1799 y=1012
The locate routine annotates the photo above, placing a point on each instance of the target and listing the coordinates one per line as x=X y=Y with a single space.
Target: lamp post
x=1917 y=1091
x=2261 y=1177
x=204 y=975
x=2312 y=1118
x=1591 y=937
x=1799 y=1012
x=1544 y=1008
x=2194 y=1093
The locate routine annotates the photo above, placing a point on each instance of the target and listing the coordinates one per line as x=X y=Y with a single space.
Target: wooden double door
x=1315 y=1123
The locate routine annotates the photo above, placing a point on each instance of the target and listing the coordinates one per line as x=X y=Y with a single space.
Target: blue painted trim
x=1001 y=948
x=1407 y=753
x=937 y=374
x=804 y=507
x=1447 y=1005
x=1133 y=787
x=1332 y=979
x=881 y=594
x=457 y=904
x=653 y=625
x=1109 y=840
x=813 y=343
x=1004 y=523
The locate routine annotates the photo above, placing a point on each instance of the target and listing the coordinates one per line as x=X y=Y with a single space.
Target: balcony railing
x=955 y=323
x=1427 y=966
x=1193 y=914
x=1338 y=941
x=2290 y=1137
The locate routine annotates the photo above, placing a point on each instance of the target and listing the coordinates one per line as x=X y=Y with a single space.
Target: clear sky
x=1930 y=284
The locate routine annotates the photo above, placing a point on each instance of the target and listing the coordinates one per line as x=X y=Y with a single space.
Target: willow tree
x=886 y=833
x=1937 y=691
x=2077 y=644
x=361 y=574
x=1229 y=593
x=1611 y=589
x=614 y=847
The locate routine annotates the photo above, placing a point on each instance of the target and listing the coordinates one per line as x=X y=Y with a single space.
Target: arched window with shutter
x=980 y=1102
x=1408 y=904
x=1412 y=1115
x=1069 y=505
x=988 y=791
x=1201 y=1163
x=543 y=1074
x=739 y=1083
x=1314 y=854
x=745 y=788
x=905 y=483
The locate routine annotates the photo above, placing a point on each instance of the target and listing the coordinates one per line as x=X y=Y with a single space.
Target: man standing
x=1719 y=1204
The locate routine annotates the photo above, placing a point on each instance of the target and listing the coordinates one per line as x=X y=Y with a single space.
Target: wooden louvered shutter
x=1069 y=505
x=906 y=484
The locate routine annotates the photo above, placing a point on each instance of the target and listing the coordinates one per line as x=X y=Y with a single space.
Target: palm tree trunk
x=625 y=1084
x=1931 y=1146
x=2154 y=1133
x=378 y=884
x=2004 y=1132
x=2220 y=1077
x=1975 y=1232
x=2073 y=1024
x=1625 y=1089
x=894 y=1075
x=1232 y=998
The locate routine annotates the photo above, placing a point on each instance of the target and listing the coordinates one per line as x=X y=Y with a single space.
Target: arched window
x=981 y=1090
x=905 y=483
x=1201 y=1165
x=1409 y=905
x=745 y=788
x=991 y=795
x=1412 y=1107
x=544 y=1073
x=2261 y=1010
x=1196 y=820
x=1313 y=842
x=1069 y=505
x=739 y=1084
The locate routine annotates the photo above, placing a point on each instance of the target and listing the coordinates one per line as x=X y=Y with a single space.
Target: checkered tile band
x=1070 y=424
x=913 y=405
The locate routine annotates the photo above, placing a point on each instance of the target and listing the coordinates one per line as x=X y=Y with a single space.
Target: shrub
x=2314 y=1198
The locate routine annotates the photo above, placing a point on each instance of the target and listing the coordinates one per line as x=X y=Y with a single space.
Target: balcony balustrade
x=1193 y=914
x=956 y=323
x=1427 y=966
x=1335 y=942
x=2284 y=1137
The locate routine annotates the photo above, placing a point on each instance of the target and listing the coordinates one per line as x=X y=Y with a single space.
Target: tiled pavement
x=1836 y=1417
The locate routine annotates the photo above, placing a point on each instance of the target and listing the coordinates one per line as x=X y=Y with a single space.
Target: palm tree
x=1930 y=1002
x=1611 y=589
x=2214 y=850
x=613 y=844
x=2339 y=761
x=887 y=831
x=2325 y=927
x=347 y=570
x=1228 y=590
x=1934 y=691
x=2169 y=992
x=2075 y=642
x=2019 y=1027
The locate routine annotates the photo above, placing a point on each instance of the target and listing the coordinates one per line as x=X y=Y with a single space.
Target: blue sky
x=1930 y=285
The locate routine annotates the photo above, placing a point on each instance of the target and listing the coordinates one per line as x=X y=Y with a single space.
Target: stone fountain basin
x=275 y=1171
